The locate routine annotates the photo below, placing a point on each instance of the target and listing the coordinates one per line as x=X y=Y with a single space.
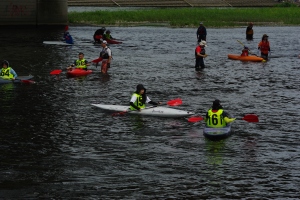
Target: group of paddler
x=263 y=46
x=105 y=55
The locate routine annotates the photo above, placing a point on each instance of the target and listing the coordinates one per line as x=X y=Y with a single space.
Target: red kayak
x=113 y=41
x=78 y=72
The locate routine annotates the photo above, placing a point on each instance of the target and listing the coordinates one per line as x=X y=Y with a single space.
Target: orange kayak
x=245 y=58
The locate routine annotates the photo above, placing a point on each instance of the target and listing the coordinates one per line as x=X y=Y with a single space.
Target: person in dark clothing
x=201 y=33
x=98 y=35
x=200 y=55
x=139 y=99
x=249 y=31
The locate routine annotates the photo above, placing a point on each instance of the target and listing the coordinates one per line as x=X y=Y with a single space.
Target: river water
x=55 y=145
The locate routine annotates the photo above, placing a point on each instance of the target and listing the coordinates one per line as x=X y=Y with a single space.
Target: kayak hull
x=245 y=58
x=78 y=72
x=20 y=79
x=217 y=133
x=113 y=42
x=158 y=111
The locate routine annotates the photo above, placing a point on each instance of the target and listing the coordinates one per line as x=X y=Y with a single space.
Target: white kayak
x=67 y=44
x=157 y=111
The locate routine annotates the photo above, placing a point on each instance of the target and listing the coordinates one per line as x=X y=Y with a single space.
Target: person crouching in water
x=245 y=51
x=6 y=72
x=216 y=117
x=106 y=55
x=200 y=55
x=139 y=99
x=81 y=63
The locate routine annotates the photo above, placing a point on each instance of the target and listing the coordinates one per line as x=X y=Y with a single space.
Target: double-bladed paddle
x=174 y=102
x=58 y=71
x=249 y=118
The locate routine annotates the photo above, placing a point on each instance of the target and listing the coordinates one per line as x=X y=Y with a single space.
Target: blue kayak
x=217 y=133
x=20 y=79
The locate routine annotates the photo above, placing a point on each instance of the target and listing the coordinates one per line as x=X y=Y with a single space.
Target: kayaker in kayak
x=67 y=37
x=7 y=72
x=107 y=36
x=200 y=55
x=99 y=34
x=201 y=32
x=264 y=47
x=216 y=117
x=140 y=98
x=81 y=63
x=249 y=31
x=106 y=55
x=245 y=51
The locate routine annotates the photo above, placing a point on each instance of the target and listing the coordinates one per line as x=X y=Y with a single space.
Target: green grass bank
x=190 y=17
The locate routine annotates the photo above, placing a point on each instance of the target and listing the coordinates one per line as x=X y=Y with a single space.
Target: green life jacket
x=138 y=101
x=81 y=64
x=215 y=119
x=5 y=73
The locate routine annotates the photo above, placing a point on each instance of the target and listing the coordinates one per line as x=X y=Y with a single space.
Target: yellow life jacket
x=215 y=119
x=81 y=64
x=5 y=73
x=139 y=103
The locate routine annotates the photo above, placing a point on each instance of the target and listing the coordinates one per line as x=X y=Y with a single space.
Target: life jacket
x=215 y=119
x=139 y=103
x=5 y=73
x=107 y=36
x=245 y=52
x=81 y=64
x=202 y=51
x=201 y=30
x=104 y=53
x=250 y=32
x=264 y=47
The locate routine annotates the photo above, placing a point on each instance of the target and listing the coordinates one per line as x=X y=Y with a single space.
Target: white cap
x=104 y=42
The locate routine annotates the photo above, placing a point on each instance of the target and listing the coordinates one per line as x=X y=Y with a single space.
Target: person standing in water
x=200 y=55
x=264 y=47
x=249 y=31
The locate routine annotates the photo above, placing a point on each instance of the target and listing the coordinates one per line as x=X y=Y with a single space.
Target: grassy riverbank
x=190 y=17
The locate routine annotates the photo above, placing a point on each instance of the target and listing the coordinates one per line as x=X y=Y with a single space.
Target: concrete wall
x=33 y=12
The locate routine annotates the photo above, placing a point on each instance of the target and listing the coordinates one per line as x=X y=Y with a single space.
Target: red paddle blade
x=195 y=119
x=97 y=60
x=119 y=113
x=251 y=118
x=56 y=72
x=27 y=81
x=174 y=102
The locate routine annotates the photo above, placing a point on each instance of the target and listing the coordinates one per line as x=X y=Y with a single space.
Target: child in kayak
x=245 y=51
x=140 y=98
x=81 y=63
x=7 y=72
x=216 y=117
x=107 y=36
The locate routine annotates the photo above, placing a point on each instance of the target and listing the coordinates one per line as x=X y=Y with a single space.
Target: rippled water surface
x=55 y=145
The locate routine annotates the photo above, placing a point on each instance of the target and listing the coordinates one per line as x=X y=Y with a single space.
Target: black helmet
x=140 y=87
x=216 y=105
x=5 y=62
x=108 y=31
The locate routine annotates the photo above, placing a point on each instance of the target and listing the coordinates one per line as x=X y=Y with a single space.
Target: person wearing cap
x=201 y=32
x=106 y=56
x=81 y=63
x=139 y=99
x=216 y=117
x=249 y=31
x=99 y=34
x=200 y=55
x=245 y=51
x=7 y=72
x=107 y=36
x=264 y=47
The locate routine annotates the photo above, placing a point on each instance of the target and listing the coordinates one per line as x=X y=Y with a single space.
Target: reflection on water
x=54 y=144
